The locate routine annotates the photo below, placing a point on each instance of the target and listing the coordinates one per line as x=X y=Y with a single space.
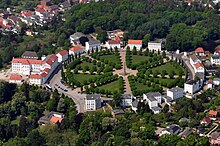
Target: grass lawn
x=142 y=86
x=136 y=59
x=111 y=58
x=111 y=87
x=84 y=63
x=168 y=67
x=84 y=77
x=16 y=121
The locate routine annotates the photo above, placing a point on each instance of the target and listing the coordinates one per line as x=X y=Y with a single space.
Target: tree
x=16 y=142
x=102 y=36
x=22 y=129
x=61 y=107
x=169 y=139
x=35 y=139
x=117 y=98
x=166 y=108
x=171 y=74
x=146 y=39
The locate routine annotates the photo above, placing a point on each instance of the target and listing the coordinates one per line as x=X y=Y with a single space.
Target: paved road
x=76 y=97
x=189 y=67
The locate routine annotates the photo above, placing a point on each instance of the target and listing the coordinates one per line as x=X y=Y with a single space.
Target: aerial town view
x=109 y=72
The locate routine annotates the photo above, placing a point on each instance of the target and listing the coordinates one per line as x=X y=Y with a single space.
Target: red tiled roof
x=63 y=52
x=15 y=77
x=210 y=82
x=40 y=10
x=33 y=61
x=117 y=38
x=206 y=119
x=213 y=112
x=52 y=59
x=135 y=42
x=20 y=60
x=199 y=64
x=217 y=50
x=114 y=42
x=35 y=76
x=199 y=50
x=76 y=48
x=56 y=119
x=26 y=13
x=43 y=74
x=46 y=70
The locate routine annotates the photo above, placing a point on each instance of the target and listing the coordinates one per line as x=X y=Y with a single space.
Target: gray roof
x=127 y=96
x=77 y=35
x=172 y=128
x=93 y=41
x=169 y=99
x=186 y=133
x=29 y=54
x=47 y=117
x=216 y=57
x=216 y=79
x=118 y=111
x=200 y=75
x=191 y=82
x=151 y=95
x=93 y=97
x=176 y=89
x=156 y=108
x=135 y=103
x=194 y=57
x=215 y=135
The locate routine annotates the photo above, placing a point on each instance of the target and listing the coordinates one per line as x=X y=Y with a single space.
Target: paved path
x=189 y=66
x=216 y=126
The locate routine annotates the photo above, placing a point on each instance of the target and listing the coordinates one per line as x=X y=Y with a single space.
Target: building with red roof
x=213 y=113
x=135 y=43
x=52 y=117
x=206 y=121
x=217 y=51
x=210 y=84
x=200 y=51
x=76 y=50
x=15 y=78
x=56 y=119
x=62 y=55
x=199 y=67
x=113 y=44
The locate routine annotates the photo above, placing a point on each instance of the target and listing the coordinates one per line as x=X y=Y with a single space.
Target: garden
x=155 y=71
x=93 y=72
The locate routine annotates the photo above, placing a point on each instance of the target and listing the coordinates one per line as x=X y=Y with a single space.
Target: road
x=216 y=126
x=189 y=67
x=76 y=97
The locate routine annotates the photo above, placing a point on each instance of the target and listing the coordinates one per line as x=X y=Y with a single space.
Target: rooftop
x=127 y=96
x=93 y=97
x=135 y=103
x=216 y=57
x=118 y=111
x=76 y=48
x=199 y=64
x=199 y=50
x=194 y=57
x=135 y=42
x=191 y=82
x=15 y=77
x=114 y=41
x=156 y=108
x=29 y=54
x=213 y=112
x=151 y=95
x=176 y=89
x=63 y=52
x=172 y=128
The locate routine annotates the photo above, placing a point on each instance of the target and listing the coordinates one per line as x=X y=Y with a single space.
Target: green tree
x=35 y=139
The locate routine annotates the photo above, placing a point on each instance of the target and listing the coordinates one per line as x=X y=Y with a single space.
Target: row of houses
x=37 y=71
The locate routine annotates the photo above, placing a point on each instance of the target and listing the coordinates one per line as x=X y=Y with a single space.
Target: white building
x=191 y=86
x=92 y=102
x=135 y=43
x=76 y=50
x=62 y=55
x=113 y=44
x=134 y=105
x=215 y=59
x=15 y=78
x=210 y=84
x=216 y=81
x=153 y=46
x=199 y=67
x=194 y=59
x=92 y=44
x=175 y=93
x=126 y=100
x=74 y=38
x=153 y=99
x=35 y=79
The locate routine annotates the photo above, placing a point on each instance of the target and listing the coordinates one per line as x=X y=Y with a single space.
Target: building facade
x=92 y=102
x=175 y=93
x=153 y=46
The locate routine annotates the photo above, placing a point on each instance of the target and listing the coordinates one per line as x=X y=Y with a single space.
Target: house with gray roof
x=92 y=44
x=29 y=55
x=153 y=99
x=134 y=105
x=92 y=102
x=171 y=129
x=126 y=100
x=175 y=93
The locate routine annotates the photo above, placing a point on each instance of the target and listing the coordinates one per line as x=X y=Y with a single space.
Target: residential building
x=198 y=67
x=155 y=46
x=215 y=138
x=191 y=86
x=62 y=55
x=171 y=129
x=215 y=59
x=153 y=99
x=52 y=117
x=135 y=43
x=213 y=113
x=15 y=78
x=216 y=81
x=76 y=50
x=74 y=38
x=134 y=105
x=117 y=112
x=205 y=121
x=194 y=59
x=35 y=79
x=92 y=102
x=186 y=133
x=29 y=55
x=113 y=44
x=200 y=51
x=92 y=44
x=217 y=51
x=175 y=93
x=126 y=100
x=210 y=84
